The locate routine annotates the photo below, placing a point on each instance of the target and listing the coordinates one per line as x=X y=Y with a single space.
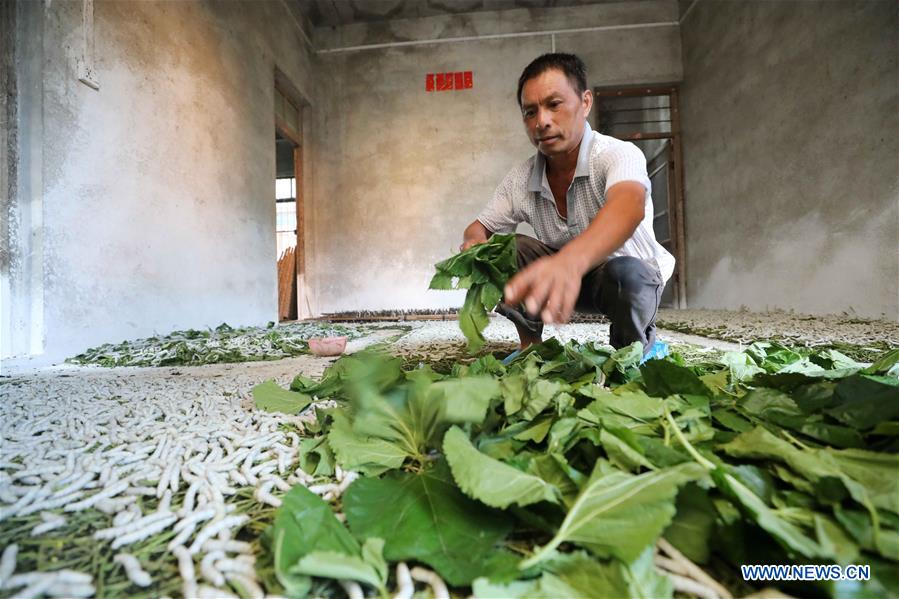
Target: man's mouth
x=549 y=138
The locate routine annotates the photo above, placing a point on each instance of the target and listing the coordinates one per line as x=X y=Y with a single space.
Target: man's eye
x=528 y=114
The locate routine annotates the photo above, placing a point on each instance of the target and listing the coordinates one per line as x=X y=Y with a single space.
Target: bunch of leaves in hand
x=556 y=476
x=483 y=269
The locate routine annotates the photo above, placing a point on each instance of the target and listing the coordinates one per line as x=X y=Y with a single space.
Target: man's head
x=555 y=102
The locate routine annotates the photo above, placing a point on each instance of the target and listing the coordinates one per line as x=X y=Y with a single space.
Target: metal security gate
x=648 y=117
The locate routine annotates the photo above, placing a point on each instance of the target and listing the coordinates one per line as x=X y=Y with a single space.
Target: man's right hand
x=470 y=242
x=474 y=234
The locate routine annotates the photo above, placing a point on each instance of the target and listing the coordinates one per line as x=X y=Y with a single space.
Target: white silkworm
x=182 y=536
x=279 y=482
x=186 y=569
x=213 y=528
x=143 y=533
x=71 y=591
x=76 y=485
x=35 y=589
x=166 y=502
x=51 y=522
x=108 y=492
x=438 y=587
x=124 y=517
x=248 y=584
x=49 y=504
x=189 y=498
x=8 y=563
x=199 y=516
x=208 y=592
x=352 y=589
x=404 y=581
x=208 y=569
x=234 y=565
x=227 y=546
x=133 y=569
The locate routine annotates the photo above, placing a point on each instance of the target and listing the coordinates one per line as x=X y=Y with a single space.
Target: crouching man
x=587 y=196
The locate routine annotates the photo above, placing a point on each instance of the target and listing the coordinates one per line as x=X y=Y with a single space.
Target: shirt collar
x=582 y=169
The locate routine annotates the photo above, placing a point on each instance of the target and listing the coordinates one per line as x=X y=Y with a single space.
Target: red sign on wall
x=441 y=82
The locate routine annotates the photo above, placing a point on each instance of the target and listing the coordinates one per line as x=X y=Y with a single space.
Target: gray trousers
x=626 y=290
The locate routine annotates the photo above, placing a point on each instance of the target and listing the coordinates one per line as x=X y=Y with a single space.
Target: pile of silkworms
x=104 y=442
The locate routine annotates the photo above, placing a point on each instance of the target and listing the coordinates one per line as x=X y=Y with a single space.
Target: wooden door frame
x=676 y=218
x=296 y=138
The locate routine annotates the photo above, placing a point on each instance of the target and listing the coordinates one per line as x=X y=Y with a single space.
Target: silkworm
x=70 y=591
x=209 y=570
x=227 y=546
x=213 y=528
x=248 y=584
x=186 y=569
x=104 y=494
x=8 y=562
x=234 y=565
x=143 y=533
x=208 y=592
x=49 y=504
x=404 y=580
x=133 y=569
x=438 y=587
x=35 y=589
x=199 y=516
x=50 y=523
x=352 y=589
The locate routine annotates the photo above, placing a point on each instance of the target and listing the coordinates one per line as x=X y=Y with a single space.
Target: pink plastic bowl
x=327 y=346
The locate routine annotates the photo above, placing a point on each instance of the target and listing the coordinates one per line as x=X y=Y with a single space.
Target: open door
x=289 y=209
x=648 y=117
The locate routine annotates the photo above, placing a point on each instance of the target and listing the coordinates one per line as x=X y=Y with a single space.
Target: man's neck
x=562 y=165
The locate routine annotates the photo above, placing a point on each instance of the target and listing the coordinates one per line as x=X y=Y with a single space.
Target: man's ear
x=587 y=100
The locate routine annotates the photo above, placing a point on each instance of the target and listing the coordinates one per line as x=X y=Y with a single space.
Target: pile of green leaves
x=224 y=344
x=483 y=269
x=556 y=476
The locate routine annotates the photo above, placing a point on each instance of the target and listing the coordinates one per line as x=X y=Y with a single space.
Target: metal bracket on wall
x=87 y=74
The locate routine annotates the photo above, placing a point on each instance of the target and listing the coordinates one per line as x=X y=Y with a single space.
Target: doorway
x=648 y=117
x=289 y=209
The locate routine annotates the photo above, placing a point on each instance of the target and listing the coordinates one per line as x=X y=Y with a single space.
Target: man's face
x=554 y=113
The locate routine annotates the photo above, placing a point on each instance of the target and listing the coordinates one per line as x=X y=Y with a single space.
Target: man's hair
x=571 y=65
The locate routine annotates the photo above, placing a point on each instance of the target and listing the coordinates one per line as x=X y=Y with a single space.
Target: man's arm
x=474 y=234
x=550 y=286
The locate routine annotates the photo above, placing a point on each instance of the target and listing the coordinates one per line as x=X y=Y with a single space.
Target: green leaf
x=491 y=481
x=885 y=364
x=863 y=401
x=339 y=566
x=484 y=270
x=369 y=455
x=426 y=518
x=663 y=378
x=305 y=524
x=269 y=396
x=620 y=514
x=691 y=529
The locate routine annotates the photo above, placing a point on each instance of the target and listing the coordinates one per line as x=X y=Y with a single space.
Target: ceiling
x=342 y=12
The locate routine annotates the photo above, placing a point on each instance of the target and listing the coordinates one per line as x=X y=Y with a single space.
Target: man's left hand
x=548 y=287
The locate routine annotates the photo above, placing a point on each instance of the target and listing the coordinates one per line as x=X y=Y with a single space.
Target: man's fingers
x=535 y=300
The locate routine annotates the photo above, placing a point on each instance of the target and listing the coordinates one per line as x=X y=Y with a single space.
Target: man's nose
x=543 y=119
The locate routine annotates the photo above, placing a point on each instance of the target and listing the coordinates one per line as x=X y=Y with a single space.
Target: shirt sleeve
x=625 y=162
x=499 y=215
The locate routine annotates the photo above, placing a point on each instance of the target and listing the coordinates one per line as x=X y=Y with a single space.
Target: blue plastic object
x=659 y=349
x=511 y=357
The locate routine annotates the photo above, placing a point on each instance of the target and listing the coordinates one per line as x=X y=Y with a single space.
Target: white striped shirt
x=525 y=196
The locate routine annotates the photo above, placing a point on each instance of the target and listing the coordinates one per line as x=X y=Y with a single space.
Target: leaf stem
x=705 y=463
